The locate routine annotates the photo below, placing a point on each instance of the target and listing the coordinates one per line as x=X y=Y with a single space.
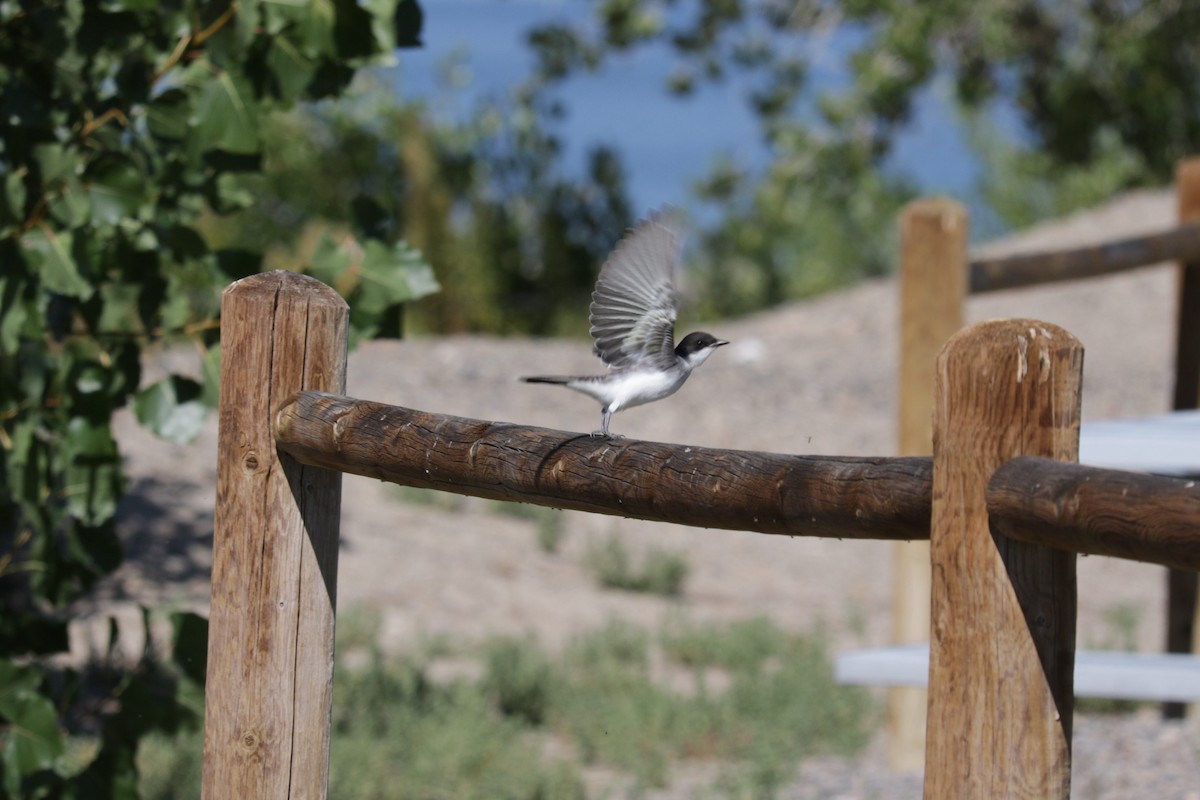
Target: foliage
x=398 y=734
x=519 y=679
x=773 y=712
x=742 y=645
x=1023 y=186
x=1108 y=95
x=1077 y=71
x=808 y=225
x=107 y=704
x=483 y=196
x=659 y=571
x=608 y=699
x=122 y=123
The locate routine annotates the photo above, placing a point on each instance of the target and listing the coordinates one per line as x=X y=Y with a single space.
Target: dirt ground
x=816 y=377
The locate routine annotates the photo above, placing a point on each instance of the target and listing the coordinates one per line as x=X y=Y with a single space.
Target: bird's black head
x=695 y=347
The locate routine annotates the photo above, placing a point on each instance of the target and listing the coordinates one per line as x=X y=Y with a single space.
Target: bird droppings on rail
x=1022 y=361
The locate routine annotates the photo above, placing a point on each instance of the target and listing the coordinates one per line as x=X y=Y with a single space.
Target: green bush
x=742 y=645
x=519 y=679
x=397 y=733
x=660 y=572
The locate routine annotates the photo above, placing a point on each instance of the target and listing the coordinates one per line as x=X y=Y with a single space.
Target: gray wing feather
x=633 y=308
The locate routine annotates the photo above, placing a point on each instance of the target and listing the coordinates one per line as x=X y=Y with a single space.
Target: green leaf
x=70 y=205
x=226 y=114
x=135 y=5
x=292 y=69
x=229 y=194
x=51 y=254
x=96 y=547
x=211 y=368
x=31 y=740
x=12 y=203
x=353 y=31
x=57 y=161
x=120 y=312
x=117 y=190
x=169 y=116
x=392 y=275
x=408 y=21
x=193 y=294
x=172 y=408
x=314 y=21
x=14 y=312
x=190 y=650
x=329 y=261
x=93 y=479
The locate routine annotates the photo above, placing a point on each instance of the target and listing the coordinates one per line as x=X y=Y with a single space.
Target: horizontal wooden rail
x=854 y=498
x=1097 y=511
x=1012 y=272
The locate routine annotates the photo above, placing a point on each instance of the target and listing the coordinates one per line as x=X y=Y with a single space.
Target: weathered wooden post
x=270 y=648
x=1183 y=635
x=933 y=286
x=1002 y=650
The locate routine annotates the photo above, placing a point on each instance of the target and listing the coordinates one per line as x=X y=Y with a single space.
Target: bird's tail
x=556 y=379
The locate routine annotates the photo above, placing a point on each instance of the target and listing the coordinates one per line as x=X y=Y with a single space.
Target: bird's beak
x=719 y=342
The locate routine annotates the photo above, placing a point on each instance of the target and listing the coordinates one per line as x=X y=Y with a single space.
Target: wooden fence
x=936 y=275
x=1006 y=397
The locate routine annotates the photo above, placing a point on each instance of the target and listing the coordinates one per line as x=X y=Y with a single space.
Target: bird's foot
x=606 y=435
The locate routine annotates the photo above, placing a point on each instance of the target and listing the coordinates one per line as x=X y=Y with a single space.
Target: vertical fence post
x=1002 y=649
x=933 y=285
x=270 y=647
x=1183 y=635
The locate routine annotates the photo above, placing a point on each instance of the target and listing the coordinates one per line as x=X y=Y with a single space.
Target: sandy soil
x=815 y=377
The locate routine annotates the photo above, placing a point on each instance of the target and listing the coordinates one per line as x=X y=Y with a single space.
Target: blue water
x=666 y=143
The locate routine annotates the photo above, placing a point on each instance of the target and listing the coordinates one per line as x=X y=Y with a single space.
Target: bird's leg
x=605 y=416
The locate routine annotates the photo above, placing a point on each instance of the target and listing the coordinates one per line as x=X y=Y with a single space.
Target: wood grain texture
x=1003 y=632
x=1183 y=588
x=933 y=287
x=1099 y=512
x=1014 y=272
x=270 y=654
x=883 y=498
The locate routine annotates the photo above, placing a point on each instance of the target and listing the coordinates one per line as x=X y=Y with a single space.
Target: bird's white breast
x=636 y=388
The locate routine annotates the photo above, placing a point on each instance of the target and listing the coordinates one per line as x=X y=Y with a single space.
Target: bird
x=632 y=318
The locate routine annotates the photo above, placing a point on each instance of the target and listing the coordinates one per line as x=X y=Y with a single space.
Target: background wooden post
x=933 y=285
x=1183 y=635
x=1002 y=650
x=270 y=646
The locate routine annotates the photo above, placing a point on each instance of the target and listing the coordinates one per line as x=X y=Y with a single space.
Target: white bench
x=1167 y=444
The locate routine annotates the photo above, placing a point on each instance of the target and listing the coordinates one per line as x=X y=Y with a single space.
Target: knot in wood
x=250 y=461
x=249 y=741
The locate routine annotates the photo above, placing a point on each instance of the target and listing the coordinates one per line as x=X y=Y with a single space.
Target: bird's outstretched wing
x=633 y=308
